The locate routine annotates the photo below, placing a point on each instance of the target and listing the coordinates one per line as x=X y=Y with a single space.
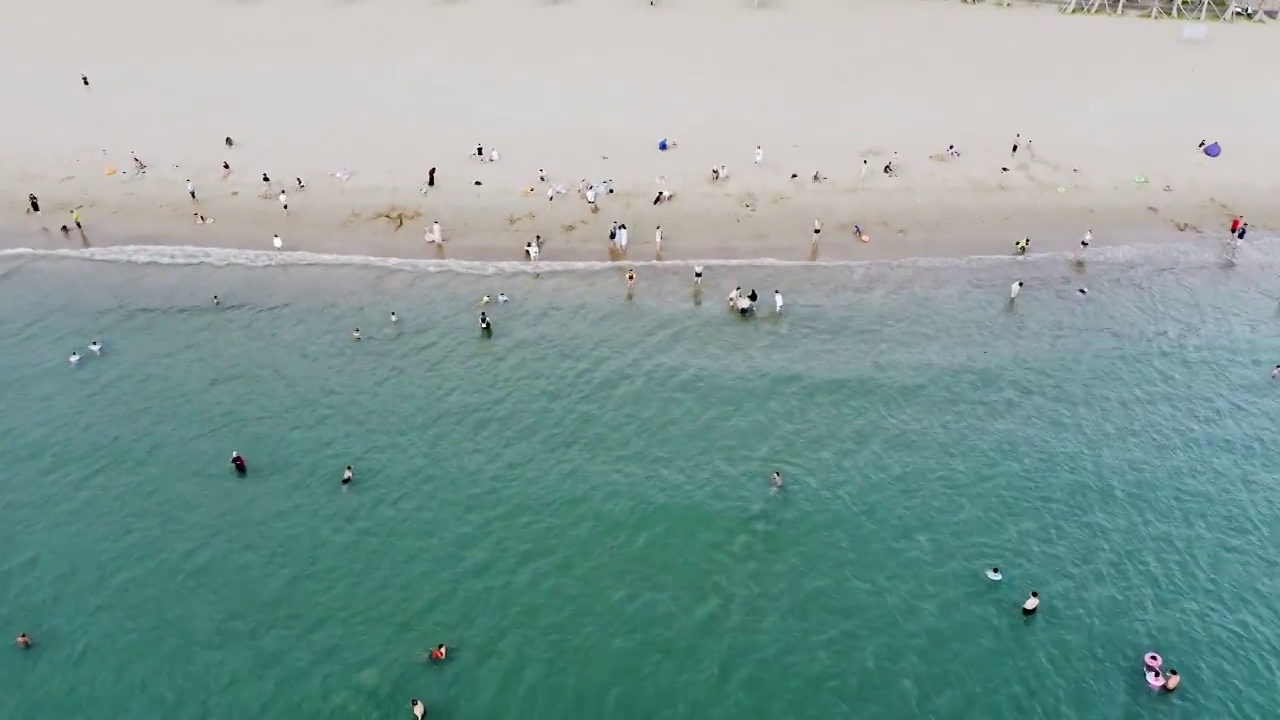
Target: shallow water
x=579 y=505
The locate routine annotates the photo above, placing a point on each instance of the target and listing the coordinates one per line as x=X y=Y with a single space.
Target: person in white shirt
x=531 y=249
x=657 y=238
x=697 y=275
x=276 y=242
x=622 y=237
x=759 y=155
x=74 y=359
x=777 y=301
x=1014 y=289
x=817 y=230
x=493 y=155
x=284 y=202
x=436 y=234
x=191 y=190
x=1032 y=604
x=95 y=347
x=394 y=319
x=502 y=298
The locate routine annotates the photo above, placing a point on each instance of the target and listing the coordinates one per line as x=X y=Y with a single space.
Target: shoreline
x=953 y=226
x=390 y=105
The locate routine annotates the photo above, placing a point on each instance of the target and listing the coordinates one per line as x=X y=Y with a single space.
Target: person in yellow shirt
x=75 y=216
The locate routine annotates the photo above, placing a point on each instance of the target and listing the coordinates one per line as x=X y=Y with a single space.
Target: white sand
x=390 y=88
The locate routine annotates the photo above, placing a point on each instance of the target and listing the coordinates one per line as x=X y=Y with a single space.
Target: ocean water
x=580 y=505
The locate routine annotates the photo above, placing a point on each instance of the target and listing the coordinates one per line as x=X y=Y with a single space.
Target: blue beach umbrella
x=1213 y=149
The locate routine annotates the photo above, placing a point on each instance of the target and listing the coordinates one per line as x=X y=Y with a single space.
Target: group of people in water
x=95 y=347
x=1151 y=662
x=438 y=654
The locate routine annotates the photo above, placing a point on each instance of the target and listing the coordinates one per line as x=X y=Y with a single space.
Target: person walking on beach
x=85 y=80
x=1014 y=289
x=817 y=231
x=1244 y=228
x=284 y=202
x=1017 y=140
x=35 y=205
x=1236 y=222
x=436 y=233
x=759 y=155
x=226 y=169
x=657 y=239
x=865 y=165
x=301 y=185
x=266 y=185
x=191 y=189
x=75 y=218
x=276 y=242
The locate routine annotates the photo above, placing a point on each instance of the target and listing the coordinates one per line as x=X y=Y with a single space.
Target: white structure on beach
x=1193 y=10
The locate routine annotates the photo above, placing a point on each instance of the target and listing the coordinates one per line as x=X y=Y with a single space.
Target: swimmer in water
x=74 y=359
x=23 y=641
x=733 y=296
x=1171 y=680
x=1083 y=290
x=776 y=482
x=1275 y=373
x=238 y=463
x=355 y=334
x=697 y=274
x=631 y=279
x=439 y=653
x=419 y=710
x=486 y=300
x=216 y=301
x=348 y=475
x=394 y=319
x=1014 y=289
x=502 y=298
x=95 y=347
x=994 y=575
x=1032 y=604
x=1021 y=246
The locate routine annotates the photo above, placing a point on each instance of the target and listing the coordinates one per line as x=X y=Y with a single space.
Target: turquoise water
x=580 y=507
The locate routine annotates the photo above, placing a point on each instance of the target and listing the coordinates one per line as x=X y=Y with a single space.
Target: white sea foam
x=1162 y=253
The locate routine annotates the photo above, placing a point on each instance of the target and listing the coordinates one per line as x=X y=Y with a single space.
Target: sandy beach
x=585 y=91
